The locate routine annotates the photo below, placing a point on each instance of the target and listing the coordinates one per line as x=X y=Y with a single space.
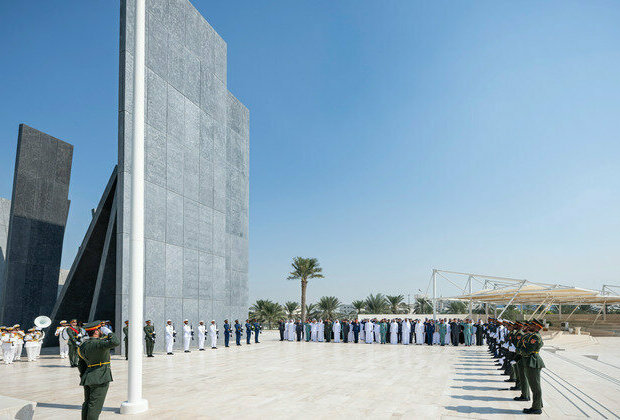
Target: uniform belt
x=99 y=364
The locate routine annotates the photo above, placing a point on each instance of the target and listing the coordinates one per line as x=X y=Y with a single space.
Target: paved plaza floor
x=276 y=380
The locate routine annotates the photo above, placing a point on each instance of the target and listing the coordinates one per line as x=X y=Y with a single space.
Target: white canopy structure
x=507 y=291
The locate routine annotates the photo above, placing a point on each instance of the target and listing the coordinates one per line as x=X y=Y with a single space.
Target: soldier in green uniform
x=149 y=338
x=520 y=366
x=73 y=331
x=126 y=335
x=94 y=367
x=532 y=343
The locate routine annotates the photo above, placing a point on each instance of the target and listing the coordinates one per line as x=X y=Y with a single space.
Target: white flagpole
x=135 y=403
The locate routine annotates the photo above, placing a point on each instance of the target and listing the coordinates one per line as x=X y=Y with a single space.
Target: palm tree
x=328 y=305
x=305 y=269
x=290 y=308
x=358 y=305
x=376 y=304
x=397 y=304
x=457 y=307
x=422 y=305
x=312 y=311
x=264 y=310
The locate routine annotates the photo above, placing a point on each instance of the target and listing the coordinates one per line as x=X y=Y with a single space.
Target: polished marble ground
x=326 y=380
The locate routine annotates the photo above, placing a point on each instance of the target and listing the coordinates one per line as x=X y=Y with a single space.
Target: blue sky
x=387 y=138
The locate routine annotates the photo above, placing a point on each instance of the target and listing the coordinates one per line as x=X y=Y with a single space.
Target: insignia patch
x=533 y=341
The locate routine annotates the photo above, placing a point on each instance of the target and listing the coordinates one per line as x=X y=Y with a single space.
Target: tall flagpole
x=135 y=403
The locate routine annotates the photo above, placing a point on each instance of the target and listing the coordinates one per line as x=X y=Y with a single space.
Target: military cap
x=89 y=326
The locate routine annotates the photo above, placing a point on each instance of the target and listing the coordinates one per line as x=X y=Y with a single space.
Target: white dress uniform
x=202 y=329
x=187 y=336
x=31 y=346
x=39 y=335
x=213 y=335
x=336 y=329
x=314 y=331
x=8 y=347
x=63 y=341
x=19 y=344
x=169 y=337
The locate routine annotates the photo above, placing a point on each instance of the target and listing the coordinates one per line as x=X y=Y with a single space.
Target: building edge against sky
x=196 y=172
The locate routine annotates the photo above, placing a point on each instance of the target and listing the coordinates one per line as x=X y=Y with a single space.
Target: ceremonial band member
x=257 y=328
x=63 y=338
x=238 y=331
x=94 y=367
x=248 y=331
x=149 y=338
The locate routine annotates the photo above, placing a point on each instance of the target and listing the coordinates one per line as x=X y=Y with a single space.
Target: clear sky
x=387 y=137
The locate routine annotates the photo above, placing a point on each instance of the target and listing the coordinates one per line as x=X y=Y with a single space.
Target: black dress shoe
x=515 y=388
x=532 y=411
x=171 y=354
x=520 y=398
x=201 y=349
x=186 y=351
x=508 y=380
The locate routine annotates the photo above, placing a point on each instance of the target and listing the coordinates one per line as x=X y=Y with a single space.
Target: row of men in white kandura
x=15 y=340
x=188 y=335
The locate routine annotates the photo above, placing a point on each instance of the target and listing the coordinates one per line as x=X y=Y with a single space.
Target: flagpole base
x=136 y=407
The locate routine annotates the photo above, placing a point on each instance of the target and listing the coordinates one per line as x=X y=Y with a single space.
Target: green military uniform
x=73 y=345
x=443 y=329
x=126 y=339
x=308 y=330
x=149 y=337
x=95 y=372
x=328 y=331
x=523 y=383
x=533 y=363
x=383 y=332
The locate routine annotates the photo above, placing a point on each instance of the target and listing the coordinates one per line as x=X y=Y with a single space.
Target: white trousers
x=169 y=344
x=31 y=351
x=8 y=353
x=63 y=349
x=313 y=335
x=213 y=340
x=186 y=341
x=201 y=341
x=337 y=337
x=18 y=351
x=378 y=336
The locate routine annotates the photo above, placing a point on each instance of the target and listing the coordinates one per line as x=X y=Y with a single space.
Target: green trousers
x=383 y=334
x=94 y=397
x=149 y=347
x=73 y=355
x=126 y=349
x=533 y=379
x=524 y=384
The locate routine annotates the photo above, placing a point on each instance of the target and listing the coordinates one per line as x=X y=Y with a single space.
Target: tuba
x=42 y=321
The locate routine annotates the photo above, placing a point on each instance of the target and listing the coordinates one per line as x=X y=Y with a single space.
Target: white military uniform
x=19 y=344
x=213 y=335
x=187 y=336
x=169 y=337
x=8 y=347
x=31 y=346
x=201 y=336
x=63 y=341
